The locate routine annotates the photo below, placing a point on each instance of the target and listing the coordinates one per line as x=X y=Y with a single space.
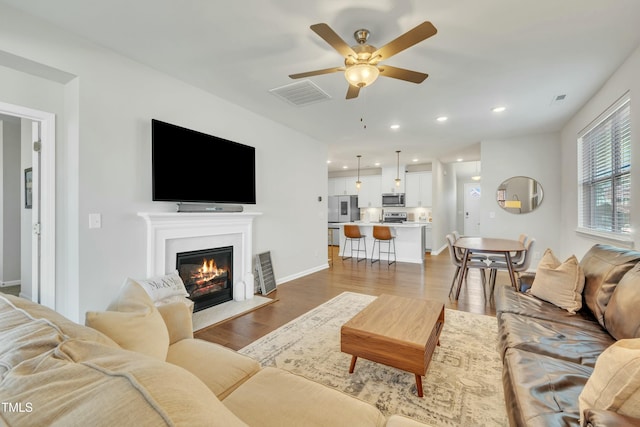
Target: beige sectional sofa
x=140 y=365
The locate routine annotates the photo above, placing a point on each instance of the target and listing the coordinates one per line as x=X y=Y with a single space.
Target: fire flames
x=207 y=272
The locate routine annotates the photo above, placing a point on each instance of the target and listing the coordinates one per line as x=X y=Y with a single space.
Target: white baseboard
x=439 y=250
x=10 y=283
x=301 y=274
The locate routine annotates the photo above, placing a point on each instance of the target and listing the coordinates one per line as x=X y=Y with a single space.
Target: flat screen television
x=191 y=166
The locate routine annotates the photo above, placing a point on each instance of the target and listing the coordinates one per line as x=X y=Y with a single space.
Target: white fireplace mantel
x=168 y=232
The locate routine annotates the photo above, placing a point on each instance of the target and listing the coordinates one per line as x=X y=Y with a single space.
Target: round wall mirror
x=519 y=194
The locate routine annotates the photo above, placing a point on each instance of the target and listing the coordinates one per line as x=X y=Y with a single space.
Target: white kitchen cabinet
x=388 y=178
x=419 y=189
x=370 y=195
x=342 y=186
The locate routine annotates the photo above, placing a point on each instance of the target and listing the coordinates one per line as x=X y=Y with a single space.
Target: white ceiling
x=520 y=54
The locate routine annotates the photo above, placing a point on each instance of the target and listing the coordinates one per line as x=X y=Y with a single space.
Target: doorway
x=42 y=178
x=472 y=194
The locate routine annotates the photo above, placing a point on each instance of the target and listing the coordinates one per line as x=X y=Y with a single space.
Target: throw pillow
x=559 y=283
x=161 y=287
x=133 y=322
x=615 y=382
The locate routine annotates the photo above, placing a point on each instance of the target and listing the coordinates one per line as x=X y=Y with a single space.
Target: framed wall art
x=28 y=188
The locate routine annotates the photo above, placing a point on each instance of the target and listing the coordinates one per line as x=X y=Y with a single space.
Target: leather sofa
x=549 y=354
x=56 y=372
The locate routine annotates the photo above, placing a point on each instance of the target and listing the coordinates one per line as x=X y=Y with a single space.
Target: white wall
x=537 y=157
x=623 y=80
x=107 y=162
x=10 y=178
x=443 y=197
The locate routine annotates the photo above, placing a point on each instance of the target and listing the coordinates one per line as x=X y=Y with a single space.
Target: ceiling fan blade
x=330 y=36
x=353 y=92
x=316 y=72
x=402 y=74
x=408 y=39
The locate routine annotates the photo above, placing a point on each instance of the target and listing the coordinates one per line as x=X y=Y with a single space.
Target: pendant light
x=398 y=169
x=358 y=183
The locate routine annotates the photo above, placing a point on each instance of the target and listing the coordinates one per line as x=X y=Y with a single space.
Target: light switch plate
x=95 y=220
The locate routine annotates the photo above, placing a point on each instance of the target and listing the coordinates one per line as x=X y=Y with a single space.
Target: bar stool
x=383 y=234
x=351 y=233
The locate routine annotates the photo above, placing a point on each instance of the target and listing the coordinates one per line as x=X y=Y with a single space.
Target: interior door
x=472 y=193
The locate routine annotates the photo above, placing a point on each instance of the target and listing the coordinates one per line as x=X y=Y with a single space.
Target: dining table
x=486 y=245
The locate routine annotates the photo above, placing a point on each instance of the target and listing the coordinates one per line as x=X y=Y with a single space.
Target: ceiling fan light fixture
x=361 y=75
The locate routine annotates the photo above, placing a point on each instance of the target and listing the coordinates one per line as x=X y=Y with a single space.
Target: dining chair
x=518 y=267
x=477 y=257
x=471 y=263
x=516 y=257
x=351 y=233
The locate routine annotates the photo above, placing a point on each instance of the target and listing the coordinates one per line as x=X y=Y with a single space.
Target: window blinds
x=604 y=156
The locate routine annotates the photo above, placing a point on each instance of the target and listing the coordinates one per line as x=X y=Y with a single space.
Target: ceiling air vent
x=558 y=99
x=301 y=93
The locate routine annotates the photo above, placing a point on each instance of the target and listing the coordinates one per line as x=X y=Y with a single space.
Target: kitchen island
x=410 y=243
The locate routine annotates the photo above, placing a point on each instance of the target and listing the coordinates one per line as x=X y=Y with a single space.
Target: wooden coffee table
x=395 y=331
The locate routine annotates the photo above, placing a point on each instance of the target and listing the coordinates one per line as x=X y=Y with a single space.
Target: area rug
x=463 y=385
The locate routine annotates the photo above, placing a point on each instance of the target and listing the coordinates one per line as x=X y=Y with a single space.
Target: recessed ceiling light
x=415 y=160
x=498 y=109
x=459 y=159
x=442 y=118
x=394 y=127
x=328 y=162
x=377 y=163
x=345 y=167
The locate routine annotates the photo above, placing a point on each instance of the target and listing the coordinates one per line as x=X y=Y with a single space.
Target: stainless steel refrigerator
x=342 y=209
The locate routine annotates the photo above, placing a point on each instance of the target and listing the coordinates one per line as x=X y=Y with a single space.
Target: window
x=604 y=169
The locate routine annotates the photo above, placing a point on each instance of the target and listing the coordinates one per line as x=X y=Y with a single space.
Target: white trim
x=619 y=239
x=9 y=283
x=47 y=256
x=439 y=250
x=302 y=274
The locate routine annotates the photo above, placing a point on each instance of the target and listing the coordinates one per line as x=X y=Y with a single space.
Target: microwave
x=392 y=199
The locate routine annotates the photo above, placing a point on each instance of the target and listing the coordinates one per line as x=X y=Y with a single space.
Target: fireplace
x=208 y=275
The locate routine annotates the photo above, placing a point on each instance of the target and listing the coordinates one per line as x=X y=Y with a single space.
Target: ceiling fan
x=361 y=62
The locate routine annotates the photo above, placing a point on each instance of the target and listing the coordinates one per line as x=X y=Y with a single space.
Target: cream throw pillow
x=161 y=287
x=560 y=283
x=133 y=322
x=615 y=382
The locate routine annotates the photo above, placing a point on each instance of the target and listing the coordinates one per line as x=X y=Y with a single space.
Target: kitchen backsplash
x=375 y=214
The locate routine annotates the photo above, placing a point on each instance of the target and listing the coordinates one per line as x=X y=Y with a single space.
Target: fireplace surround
x=170 y=233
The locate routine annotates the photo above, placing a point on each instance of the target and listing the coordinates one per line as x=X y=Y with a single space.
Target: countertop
x=408 y=224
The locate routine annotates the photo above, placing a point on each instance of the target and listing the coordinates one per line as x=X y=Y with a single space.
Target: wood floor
x=429 y=281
